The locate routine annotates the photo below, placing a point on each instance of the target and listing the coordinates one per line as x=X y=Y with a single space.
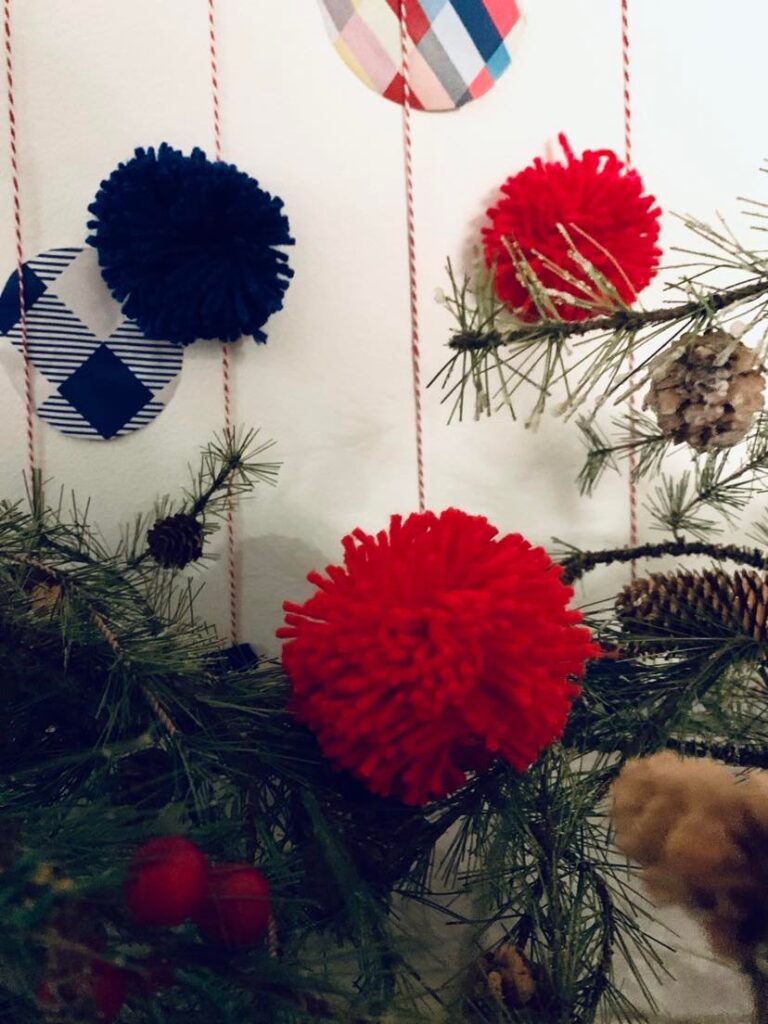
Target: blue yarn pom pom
x=190 y=246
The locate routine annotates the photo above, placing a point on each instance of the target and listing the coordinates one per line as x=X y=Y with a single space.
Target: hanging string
x=29 y=404
x=225 y=354
x=412 y=279
x=627 y=108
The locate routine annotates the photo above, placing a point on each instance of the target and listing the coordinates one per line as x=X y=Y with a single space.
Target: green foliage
x=121 y=718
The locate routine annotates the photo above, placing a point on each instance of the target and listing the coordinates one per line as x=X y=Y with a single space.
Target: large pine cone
x=706 y=390
x=176 y=541
x=707 y=603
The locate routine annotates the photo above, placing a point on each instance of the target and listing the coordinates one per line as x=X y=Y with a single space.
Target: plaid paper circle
x=458 y=48
x=98 y=376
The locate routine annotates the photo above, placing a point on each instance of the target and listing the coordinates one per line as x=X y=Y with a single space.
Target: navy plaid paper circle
x=98 y=376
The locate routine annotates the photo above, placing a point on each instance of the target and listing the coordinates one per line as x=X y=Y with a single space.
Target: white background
x=95 y=78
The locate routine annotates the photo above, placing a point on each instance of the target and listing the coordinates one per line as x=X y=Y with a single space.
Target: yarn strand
x=29 y=404
x=627 y=112
x=412 y=275
x=225 y=354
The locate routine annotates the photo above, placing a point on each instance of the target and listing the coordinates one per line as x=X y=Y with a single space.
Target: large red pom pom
x=436 y=647
x=236 y=907
x=601 y=204
x=165 y=881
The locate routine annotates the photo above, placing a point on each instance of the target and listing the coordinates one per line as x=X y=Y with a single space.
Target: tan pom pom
x=701 y=836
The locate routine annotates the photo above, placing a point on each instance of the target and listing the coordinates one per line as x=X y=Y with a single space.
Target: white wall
x=98 y=77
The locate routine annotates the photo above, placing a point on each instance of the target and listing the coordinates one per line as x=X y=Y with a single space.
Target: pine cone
x=706 y=390
x=501 y=981
x=707 y=603
x=176 y=541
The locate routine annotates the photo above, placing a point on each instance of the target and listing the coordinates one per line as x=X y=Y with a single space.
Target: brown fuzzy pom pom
x=701 y=837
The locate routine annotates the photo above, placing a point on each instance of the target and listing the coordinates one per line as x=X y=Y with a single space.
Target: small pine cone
x=176 y=541
x=502 y=980
x=706 y=390
x=707 y=603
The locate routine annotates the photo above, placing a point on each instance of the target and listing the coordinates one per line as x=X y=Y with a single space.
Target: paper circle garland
x=436 y=647
x=97 y=375
x=458 y=49
x=191 y=247
x=593 y=203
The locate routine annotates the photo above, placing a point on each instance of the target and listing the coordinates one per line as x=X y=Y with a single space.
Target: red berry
x=235 y=909
x=109 y=988
x=166 y=881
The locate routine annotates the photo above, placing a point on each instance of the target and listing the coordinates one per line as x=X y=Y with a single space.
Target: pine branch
x=577 y=565
x=624 y=320
x=67 y=581
x=229 y=468
x=639 y=437
x=731 y=753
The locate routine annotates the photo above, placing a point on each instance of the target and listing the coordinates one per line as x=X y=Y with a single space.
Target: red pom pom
x=235 y=909
x=601 y=204
x=165 y=881
x=436 y=647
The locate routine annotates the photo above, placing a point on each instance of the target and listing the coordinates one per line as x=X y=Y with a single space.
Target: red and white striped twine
x=225 y=354
x=627 y=108
x=412 y=278
x=29 y=404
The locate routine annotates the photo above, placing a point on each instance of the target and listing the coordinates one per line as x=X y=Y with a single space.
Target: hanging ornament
x=437 y=647
x=235 y=908
x=457 y=49
x=166 y=880
x=706 y=389
x=176 y=541
x=97 y=375
x=573 y=223
x=698 y=604
x=191 y=247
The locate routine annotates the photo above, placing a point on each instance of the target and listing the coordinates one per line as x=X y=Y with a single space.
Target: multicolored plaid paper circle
x=458 y=48
x=98 y=376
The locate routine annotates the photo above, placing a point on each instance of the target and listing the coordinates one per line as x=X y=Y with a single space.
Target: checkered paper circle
x=458 y=48
x=96 y=375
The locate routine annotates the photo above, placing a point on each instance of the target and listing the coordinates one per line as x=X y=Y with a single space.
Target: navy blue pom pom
x=190 y=246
